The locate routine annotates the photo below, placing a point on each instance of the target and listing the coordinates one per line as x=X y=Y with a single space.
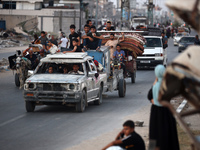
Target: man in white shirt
x=63 y=43
x=52 y=49
x=113 y=43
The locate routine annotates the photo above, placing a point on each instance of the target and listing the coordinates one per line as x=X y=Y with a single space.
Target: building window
x=9 y=5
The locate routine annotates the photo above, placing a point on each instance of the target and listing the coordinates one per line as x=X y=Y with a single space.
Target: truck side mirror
x=30 y=73
x=91 y=74
x=96 y=75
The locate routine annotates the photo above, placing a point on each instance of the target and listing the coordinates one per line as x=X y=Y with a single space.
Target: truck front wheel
x=100 y=99
x=122 y=88
x=80 y=106
x=30 y=106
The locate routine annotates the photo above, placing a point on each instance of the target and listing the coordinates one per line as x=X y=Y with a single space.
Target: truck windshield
x=187 y=40
x=153 y=42
x=60 y=68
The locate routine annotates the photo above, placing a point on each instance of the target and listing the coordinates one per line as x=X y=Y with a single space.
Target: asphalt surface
x=59 y=127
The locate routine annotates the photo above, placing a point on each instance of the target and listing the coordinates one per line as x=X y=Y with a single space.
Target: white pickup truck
x=154 y=53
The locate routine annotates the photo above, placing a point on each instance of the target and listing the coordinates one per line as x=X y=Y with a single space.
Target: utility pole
x=122 y=3
x=129 y=15
x=96 y=20
x=150 y=12
x=81 y=1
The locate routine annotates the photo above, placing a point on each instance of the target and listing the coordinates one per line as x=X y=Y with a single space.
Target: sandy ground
x=143 y=114
x=99 y=142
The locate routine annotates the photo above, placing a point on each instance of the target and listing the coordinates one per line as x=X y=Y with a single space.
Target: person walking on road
x=164 y=40
x=162 y=130
x=196 y=41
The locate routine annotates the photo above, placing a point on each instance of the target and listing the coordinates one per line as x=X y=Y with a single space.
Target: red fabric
x=96 y=63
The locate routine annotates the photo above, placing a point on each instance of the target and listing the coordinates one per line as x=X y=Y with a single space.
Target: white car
x=178 y=36
x=154 y=53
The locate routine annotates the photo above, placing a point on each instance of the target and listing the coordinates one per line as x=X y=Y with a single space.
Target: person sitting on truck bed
x=76 y=47
x=65 y=70
x=32 y=57
x=93 y=40
x=43 y=38
x=75 y=70
x=52 y=49
x=109 y=26
x=112 y=43
x=120 y=55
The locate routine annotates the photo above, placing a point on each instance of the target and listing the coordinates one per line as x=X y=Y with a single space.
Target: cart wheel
x=122 y=88
x=133 y=76
x=17 y=82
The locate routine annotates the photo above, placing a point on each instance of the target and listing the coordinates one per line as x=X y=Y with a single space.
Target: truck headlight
x=30 y=86
x=180 y=45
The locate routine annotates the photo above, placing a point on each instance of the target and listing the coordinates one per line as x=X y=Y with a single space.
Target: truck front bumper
x=52 y=96
x=148 y=63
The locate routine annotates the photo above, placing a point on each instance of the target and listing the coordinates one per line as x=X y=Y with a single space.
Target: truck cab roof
x=67 y=57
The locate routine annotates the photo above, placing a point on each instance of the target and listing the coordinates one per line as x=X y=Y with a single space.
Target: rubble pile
x=9 y=43
x=4 y=64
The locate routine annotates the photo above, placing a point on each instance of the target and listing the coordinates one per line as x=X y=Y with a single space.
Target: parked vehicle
x=178 y=36
x=185 y=42
x=70 y=89
x=154 y=53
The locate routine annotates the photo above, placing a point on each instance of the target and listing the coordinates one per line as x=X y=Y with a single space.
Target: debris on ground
x=10 y=43
x=139 y=123
x=4 y=64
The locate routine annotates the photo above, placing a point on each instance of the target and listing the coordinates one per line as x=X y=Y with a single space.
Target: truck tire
x=122 y=88
x=100 y=98
x=80 y=106
x=30 y=106
x=133 y=76
x=17 y=82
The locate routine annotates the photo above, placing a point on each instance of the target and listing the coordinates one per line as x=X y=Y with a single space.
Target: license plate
x=145 y=61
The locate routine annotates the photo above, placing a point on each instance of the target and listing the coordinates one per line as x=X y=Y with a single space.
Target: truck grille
x=51 y=87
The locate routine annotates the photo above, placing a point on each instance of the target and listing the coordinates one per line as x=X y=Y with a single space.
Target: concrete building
x=49 y=15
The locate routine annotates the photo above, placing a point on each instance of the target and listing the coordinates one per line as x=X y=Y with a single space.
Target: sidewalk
x=99 y=142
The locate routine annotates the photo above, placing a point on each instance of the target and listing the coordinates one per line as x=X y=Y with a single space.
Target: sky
x=161 y=3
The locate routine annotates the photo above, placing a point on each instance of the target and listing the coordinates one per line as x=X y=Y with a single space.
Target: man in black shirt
x=109 y=27
x=93 y=40
x=76 y=47
x=132 y=141
x=33 y=58
x=89 y=23
x=73 y=36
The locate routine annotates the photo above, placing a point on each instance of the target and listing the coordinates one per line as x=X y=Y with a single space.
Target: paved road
x=57 y=127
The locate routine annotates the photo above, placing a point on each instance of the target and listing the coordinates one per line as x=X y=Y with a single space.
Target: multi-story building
x=49 y=15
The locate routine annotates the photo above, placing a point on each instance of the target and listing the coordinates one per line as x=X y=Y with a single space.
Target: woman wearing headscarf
x=162 y=130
